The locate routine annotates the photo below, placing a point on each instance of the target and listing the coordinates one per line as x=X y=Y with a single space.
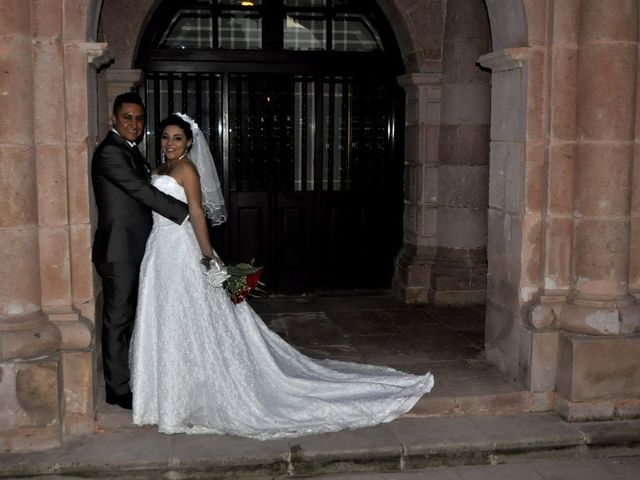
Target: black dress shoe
x=125 y=400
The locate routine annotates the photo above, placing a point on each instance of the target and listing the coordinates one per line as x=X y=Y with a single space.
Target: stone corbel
x=505 y=60
x=98 y=54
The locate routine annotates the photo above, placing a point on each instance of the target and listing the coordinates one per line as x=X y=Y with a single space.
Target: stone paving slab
x=528 y=431
x=365 y=449
x=400 y=445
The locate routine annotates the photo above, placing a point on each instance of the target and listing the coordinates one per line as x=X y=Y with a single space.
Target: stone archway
x=534 y=261
x=427 y=270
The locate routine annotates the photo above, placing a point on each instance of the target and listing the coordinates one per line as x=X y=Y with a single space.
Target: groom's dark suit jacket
x=125 y=199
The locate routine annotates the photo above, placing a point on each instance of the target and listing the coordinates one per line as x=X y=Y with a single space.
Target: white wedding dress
x=200 y=364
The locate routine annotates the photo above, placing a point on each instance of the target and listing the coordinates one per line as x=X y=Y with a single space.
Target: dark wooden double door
x=310 y=167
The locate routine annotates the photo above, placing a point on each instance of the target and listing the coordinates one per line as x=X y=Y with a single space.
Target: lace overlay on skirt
x=200 y=364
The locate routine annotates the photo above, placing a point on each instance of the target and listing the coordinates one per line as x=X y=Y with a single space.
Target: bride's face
x=174 y=142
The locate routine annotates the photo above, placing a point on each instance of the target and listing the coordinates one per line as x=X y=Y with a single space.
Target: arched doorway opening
x=419 y=31
x=302 y=110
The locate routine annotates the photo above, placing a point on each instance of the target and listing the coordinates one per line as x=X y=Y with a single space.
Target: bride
x=200 y=364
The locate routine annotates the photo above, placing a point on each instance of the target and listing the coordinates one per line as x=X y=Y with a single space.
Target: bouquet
x=240 y=280
x=243 y=281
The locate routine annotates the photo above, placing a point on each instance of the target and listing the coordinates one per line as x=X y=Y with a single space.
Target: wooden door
x=310 y=170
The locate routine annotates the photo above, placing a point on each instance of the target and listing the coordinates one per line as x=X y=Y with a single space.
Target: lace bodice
x=170 y=186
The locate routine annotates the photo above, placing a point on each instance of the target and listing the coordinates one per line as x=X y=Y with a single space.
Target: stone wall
x=46 y=283
x=563 y=228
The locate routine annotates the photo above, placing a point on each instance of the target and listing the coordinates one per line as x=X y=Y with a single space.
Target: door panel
x=250 y=229
x=295 y=245
x=311 y=177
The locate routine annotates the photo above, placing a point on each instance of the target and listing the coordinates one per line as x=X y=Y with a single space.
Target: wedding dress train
x=200 y=364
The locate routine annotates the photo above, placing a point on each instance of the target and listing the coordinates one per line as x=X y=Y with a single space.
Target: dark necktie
x=140 y=160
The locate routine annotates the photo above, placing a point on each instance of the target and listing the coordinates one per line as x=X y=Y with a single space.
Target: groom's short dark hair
x=127 y=97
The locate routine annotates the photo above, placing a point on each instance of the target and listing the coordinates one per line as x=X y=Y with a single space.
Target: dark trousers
x=120 y=292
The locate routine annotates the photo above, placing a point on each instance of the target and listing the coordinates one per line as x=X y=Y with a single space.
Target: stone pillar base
x=598 y=376
x=459 y=277
x=587 y=316
x=539 y=359
x=441 y=276
x=30 y=404
x=46 y=379
x=412 y=279
x=596 y=409
x=595 y=317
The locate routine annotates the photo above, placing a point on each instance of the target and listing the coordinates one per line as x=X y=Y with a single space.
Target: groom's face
x=129 y=121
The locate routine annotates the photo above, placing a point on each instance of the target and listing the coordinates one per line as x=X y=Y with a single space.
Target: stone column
x=414 y=263
x=598 y=371
x=460 y=271
x=508 y=219
x=29 y=395
x=600 y=302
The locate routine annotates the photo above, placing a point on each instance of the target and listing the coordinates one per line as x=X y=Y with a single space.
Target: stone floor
x=448 y=435
x=615 y=467
x=382 y=330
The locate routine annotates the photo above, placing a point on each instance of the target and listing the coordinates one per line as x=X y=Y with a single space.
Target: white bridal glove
x=216 y=274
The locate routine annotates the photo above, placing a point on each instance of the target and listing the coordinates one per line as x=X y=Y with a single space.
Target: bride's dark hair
x=175 y=120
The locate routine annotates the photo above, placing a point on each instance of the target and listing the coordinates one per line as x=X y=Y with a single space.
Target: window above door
x=274 y=25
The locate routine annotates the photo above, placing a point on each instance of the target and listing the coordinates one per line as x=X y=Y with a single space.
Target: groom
x=124 y=198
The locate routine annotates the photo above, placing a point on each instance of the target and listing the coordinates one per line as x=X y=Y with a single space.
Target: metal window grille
x=239 y=30
x=305 y=3
x=354 y=33
x=272 y=136
x=189 y=29
x=305 y=31
x=307 y=25
x=197 y=95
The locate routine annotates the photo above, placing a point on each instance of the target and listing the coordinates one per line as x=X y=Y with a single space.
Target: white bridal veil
x=200 y=155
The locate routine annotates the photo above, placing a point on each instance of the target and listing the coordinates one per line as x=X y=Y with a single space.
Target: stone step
x=405 y=444
x=114 y=419
x=507 y=403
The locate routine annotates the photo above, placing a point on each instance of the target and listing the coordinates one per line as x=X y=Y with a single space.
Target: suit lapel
x=138 y=162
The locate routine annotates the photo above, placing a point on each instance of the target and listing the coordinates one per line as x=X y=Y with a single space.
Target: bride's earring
x=162 y=159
